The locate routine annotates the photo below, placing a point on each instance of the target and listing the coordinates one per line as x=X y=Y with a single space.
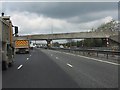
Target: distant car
x=45 y=47
x=31 y=48
x=61 y=46
x=38 y=46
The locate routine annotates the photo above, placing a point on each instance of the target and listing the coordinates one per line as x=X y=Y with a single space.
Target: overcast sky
x=59 y=17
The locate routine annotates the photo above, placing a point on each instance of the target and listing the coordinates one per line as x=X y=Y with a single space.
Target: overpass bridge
x=113 y=35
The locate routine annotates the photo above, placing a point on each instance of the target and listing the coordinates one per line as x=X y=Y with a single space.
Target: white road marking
x=19 y=67
x=92 y=59
x=51 y=55
x=100 y=60
x=56 y=57
x=96 y=59
x=74 y=55
x=27 y=58
x=30 y=55
x=69 y=65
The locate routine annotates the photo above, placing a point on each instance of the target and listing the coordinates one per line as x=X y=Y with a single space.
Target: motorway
x=44 y=68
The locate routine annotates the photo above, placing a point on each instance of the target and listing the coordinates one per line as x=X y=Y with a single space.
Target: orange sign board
x=22 y=43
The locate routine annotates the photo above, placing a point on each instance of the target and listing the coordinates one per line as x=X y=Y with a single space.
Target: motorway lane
x=86 y=72
x=38 y=71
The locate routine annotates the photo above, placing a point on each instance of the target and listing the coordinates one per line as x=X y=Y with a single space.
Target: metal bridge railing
x=90 y=51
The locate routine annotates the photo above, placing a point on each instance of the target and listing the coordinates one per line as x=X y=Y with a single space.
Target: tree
x=110 y=26
x=92 y=42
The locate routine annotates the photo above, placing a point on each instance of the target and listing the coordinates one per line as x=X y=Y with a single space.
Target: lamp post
x=83 y=43
x=52 y=34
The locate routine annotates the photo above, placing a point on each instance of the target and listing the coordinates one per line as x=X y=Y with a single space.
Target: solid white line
x=69 y=65
x=95 y=59
x=19 y=67
x=92 y=59
x=100 y=60
x=56 y=57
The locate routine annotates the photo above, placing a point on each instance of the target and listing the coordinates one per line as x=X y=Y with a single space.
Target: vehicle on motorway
x=45 y=47
x=7 y=51
x=38 y=46
x=22 y=46
x=31 y=46
x=61 y=46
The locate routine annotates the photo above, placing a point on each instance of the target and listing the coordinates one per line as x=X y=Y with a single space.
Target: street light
x=52 y=34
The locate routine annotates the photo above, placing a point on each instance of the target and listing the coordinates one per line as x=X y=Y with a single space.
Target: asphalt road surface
x=44 y=68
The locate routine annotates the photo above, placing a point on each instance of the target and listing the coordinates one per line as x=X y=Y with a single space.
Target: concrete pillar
x=35 y=42
x=104 y=42
x=49 y=43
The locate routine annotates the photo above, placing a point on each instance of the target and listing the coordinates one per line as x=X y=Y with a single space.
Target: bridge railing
x=90 y=52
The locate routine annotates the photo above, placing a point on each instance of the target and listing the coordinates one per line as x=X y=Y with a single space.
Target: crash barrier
x=89 y=51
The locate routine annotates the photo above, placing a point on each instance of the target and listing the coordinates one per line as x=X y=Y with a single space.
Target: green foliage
x=92 y=43
x=87 y=43
x=110 y=26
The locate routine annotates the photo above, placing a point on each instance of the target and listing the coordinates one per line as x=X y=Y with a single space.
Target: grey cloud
x=0 y=7
x=93 y=16
x=61 y=10
x=73 y=13
x=65 y=10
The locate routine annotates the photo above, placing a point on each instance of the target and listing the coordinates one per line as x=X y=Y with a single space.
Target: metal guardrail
x=88 y=51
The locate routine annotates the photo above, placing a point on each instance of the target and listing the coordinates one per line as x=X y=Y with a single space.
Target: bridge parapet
x=78 y=35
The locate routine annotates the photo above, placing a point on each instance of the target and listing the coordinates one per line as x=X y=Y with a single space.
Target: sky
x=43 y=17
x=59 y=17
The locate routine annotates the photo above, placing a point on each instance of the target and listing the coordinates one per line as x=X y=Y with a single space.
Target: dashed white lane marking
x=30 y=55
x=27 y=58
x=56 y=57
x=92 y=59
x=69 y=65
x=19 y=67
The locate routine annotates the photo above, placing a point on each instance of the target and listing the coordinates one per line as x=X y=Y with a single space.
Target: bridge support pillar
x=49 y=43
